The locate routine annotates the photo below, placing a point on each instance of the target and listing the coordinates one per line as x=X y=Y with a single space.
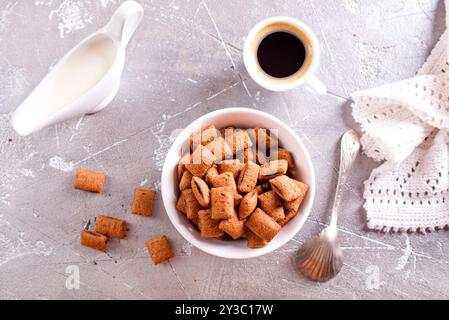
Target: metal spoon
x=320 y=258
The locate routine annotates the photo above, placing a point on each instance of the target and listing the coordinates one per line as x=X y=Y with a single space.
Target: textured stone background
x=178 y=69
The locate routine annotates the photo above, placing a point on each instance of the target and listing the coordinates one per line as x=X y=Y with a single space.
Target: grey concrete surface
x=178 y=69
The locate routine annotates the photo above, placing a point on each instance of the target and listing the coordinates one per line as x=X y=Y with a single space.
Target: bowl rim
x=166 y=174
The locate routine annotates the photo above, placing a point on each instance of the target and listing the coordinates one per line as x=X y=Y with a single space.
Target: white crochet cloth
x=407 y=124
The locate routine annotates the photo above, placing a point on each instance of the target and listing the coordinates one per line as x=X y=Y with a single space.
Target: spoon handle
x=350 y=146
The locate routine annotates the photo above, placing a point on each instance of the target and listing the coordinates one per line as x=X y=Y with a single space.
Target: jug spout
x=124 y=22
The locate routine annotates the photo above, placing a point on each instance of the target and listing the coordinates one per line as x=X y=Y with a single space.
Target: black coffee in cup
x=281 y=54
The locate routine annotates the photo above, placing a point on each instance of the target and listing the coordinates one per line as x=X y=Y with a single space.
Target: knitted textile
x=405 y=124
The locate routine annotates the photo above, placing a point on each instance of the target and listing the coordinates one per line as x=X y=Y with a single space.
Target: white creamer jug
x=85 y=80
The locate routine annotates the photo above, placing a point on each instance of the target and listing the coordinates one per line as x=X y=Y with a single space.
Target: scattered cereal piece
x=89 y=181
x=201 y=160
x=159 y=249
x=233 y=227
x=222 y=203
x=254 y=241
x=94 y=240
x=287 y=188
x=248 y=204
x=234 y=166
x=248 y=177
x=224 y=180
x=143 y=202
x=262 y=225
x=201 y=192
x=208 y=226
x=111 y=227
x=273 y=169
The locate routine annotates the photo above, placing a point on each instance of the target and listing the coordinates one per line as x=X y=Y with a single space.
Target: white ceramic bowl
x=241 y=118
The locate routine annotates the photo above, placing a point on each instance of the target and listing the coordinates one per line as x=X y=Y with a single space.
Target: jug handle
x=125 y=21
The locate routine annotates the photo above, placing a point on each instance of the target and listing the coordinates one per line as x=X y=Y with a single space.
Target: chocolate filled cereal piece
x=186 y=180
x=89 y=181
x=273 y=169
x=263 y=187
x=234 y=166
x=269 y=200
x=291 y=209
x=293 y=206
x=211 y=173
x=254 y=241
x=233 y=227
x=219 y=149
x=248 y=177
x=159 y=249
x=239 y=141
x=265 y=139
x=237 y=198
x=201 y=191
x=287 y=188
x=262 y=156
x=200 y=161
x=208 y=226
x=262 y=225
x=225 y=133
x=181 y=203
x=224 y=180
x=277 y=214
x=182 y=164
x=111 y=227
x=272 y=204
x=222 y=203
x=283 y=154
x=248 y=204
x=288 y=217
x=143 y=202
x=192 y=206
x=249 y=154
x=94 y=240
x=205 y=136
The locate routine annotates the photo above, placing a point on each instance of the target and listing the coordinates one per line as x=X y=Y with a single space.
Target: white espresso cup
x=305 y=74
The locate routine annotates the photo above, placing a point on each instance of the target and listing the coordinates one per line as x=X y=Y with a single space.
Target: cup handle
x=125 y=21
x=316 y=84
